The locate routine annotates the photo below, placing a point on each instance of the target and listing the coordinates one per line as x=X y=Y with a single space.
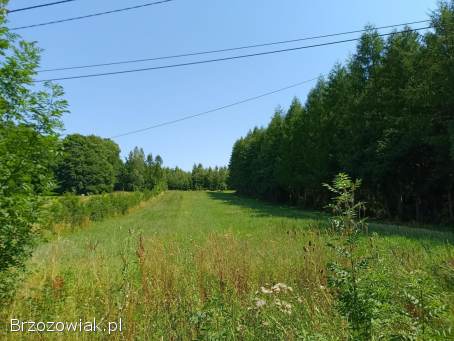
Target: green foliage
x=379 y=302
x=141 y=173
x=346 y=277
x=29 y=119
x=18 y=214
x=213 y=179
x=178 y=179
x=385 y=116
x=209 y=178
x=424 y=304
x=244 y=175
x=88 y=164
x=91 y=165
x=346 y=210
x=71 y=211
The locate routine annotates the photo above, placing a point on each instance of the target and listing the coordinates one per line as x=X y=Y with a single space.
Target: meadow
x=215 y=266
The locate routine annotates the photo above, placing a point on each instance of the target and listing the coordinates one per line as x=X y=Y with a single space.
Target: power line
x=39 y=6
x=191 y=54
x=214 y=110
x=220 y=59
x=92 y=15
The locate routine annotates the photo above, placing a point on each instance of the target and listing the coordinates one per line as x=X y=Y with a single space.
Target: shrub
x=17 y=237
x=345 y=277
x=71 y=211
x=379 y=302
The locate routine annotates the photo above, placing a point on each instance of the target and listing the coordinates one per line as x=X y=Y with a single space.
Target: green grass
x=190 y=265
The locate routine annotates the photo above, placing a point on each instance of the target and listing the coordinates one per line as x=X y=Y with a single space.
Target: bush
x=71 y=211
x=17 y=237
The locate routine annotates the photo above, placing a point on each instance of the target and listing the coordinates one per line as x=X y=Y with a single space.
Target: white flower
x=281 y=287
x=283 y=306
x=266 y=290
x=259 y=303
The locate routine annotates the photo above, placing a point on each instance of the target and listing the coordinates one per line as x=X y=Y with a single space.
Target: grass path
x=188 y=265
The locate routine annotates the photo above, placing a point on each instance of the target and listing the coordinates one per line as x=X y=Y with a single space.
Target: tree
x=89 y=164
x=134 y=172
x=198 y=177
x=29 y=121
x=213 y=179
x=154 y=174
x=140 y=173
x=270 y=158
x=386 y=116
x=178 y=179
x=245 y=170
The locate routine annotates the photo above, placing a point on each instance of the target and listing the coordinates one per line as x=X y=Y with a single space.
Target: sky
x=113 y=105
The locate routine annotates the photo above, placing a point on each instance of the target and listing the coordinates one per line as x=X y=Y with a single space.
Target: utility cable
x=220 y=59
x=92 y=15
x=191 y=54
x=214 y=110
x=39 y=6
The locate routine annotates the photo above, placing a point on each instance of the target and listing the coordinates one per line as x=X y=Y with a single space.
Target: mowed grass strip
x=200 y=265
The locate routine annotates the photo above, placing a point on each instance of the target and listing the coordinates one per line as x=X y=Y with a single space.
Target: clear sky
x=112 y=105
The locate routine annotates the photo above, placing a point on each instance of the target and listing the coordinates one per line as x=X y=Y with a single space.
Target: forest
x=385 y=116
x=92 y=165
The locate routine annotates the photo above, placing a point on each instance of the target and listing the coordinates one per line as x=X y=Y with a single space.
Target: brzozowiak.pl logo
x=92 y=326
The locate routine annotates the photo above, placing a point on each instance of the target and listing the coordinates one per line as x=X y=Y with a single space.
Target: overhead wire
x=38 y=6
x=220 y=59
x=192 y=54
x=188 y=117
x=91 y=15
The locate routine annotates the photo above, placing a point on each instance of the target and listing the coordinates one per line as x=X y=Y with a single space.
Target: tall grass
x=210 y=266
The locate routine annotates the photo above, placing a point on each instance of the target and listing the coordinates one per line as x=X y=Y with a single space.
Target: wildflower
x=266 y=290
x=277 y=288
x=259 y=303
x=283 y=306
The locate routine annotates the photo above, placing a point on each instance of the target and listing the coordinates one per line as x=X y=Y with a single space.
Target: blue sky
x=109 y=106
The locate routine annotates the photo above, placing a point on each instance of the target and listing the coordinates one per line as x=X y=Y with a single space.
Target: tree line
x=92 y=165
x=385 y=116
x=200 y=178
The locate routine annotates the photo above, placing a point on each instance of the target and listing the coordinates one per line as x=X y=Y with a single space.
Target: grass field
x=201 y=265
